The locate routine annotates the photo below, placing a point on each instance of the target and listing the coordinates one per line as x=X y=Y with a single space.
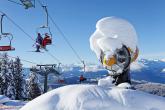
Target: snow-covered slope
x=149 y=70
x=93 y=97
x=143 y=69
x=7 y=104
x=3 y=99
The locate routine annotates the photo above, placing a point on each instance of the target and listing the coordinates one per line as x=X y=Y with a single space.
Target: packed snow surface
x=94 y=97
x=3 y=99
x=111 y=33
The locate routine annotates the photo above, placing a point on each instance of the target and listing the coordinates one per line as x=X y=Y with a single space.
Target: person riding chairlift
x=46 y=41
x=42 y=42
x=39 y=41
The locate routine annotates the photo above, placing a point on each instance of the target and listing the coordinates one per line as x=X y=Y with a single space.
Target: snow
x=3 y=99
x=163 y=70
x=94 y=97
x=124 y=85
x=106 y=82
x=111 y=33
x=163 y=60
x=7 y=104
x=93 y=68
x=137 y=66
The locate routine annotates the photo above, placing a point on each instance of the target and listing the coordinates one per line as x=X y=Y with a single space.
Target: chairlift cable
x=14 y=2
x=66 y=40
x=20 y=28
x=22 y=60
x=28 y=35
x=63 y=35
x=53 y=57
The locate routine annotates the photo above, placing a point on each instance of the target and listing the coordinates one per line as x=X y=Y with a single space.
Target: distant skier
x=115 y=44
x=82 y=78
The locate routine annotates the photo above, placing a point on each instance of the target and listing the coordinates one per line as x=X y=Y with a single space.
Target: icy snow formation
x=94 y=97
x=111 y=33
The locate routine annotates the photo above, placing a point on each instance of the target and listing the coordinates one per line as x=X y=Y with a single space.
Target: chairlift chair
x=28 y=3
x=6 y=35
x=46 y=27
x=45 y=32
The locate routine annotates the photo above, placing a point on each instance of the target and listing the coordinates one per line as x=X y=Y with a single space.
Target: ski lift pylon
x=4 y=35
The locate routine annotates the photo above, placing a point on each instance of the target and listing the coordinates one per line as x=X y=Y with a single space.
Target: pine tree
x=11 y=87
x=11 y=78
x=4 y=74
x=18 y=80
x=34 y=89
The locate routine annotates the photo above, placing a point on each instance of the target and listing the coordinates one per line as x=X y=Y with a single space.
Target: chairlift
x=6 y=35
x=28 y=3
x=44 y=33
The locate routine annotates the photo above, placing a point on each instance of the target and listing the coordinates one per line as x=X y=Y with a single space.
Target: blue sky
x=77 y=19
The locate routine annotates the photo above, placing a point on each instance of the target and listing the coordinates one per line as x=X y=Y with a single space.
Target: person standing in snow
x=115 y=45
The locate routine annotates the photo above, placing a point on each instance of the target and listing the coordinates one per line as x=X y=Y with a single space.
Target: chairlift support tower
x=45 y=70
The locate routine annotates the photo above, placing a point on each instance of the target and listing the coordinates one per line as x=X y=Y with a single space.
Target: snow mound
x=4 y=99
x=93 y=97
x=106 y=82
x=124 y=85
x=111 y=33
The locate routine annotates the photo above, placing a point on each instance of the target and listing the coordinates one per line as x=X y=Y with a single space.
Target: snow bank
x=106 y=82
x=111 y=33
x=124 y=85
x=4 y=99
x=93 y=97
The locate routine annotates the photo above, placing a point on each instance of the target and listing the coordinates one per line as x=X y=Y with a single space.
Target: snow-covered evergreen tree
x=11 y=77
x=4 y=74
x=18 y=79
x=11 y=87
x=34 y=89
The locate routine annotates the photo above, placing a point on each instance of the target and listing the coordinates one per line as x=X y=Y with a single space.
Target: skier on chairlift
x=46 y=41
x=39 y=41
x=42 y=42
